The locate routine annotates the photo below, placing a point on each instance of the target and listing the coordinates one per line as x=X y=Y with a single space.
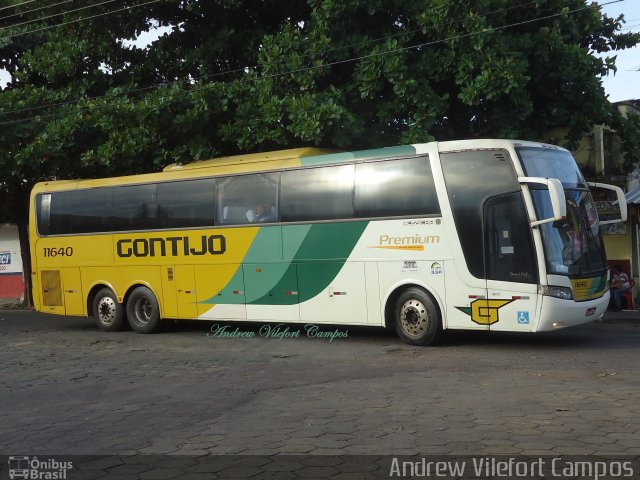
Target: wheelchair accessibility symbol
x=523 y=318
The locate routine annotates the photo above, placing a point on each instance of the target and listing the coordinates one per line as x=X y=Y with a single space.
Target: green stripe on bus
x=271 y=253
x=386 y=152
x=317 y=262
x=326 y=159
x=266 y=246
x=329 y=241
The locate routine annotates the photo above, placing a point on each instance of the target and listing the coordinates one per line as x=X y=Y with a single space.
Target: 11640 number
x=58 y=252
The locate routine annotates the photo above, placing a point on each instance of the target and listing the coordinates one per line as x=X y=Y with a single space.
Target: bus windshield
x=573 y=246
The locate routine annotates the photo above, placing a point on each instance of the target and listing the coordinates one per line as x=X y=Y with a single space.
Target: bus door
x=499 y=289
x=510 y=264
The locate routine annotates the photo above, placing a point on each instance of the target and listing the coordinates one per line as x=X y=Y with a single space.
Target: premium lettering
x=409 y=240
x=172 y=246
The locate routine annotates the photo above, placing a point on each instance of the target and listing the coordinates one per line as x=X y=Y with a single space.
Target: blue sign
x=523 y=318
x=5 y=258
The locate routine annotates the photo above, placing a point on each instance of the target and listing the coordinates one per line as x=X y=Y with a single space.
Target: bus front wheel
x=108 y=311
x=417 y=318
x=143 y=312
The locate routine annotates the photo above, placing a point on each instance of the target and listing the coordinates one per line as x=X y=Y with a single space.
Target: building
x=11 y=274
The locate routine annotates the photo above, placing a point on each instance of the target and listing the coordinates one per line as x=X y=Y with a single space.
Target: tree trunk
x=21 y=202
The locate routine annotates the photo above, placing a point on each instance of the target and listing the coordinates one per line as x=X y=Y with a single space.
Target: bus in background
x=476 y=235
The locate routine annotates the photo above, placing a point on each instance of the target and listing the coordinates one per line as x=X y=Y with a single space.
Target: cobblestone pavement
x=67 y=388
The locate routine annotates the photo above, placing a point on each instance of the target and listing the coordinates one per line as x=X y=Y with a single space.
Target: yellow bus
x=476 y=234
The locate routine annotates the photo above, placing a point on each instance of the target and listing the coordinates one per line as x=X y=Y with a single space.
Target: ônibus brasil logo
x=36 y=469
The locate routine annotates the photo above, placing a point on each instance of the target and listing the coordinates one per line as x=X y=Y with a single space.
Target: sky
x=625 y=84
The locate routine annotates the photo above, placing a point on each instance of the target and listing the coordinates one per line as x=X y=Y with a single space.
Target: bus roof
x=217 y=166
x=244 y=159
x=275 y=160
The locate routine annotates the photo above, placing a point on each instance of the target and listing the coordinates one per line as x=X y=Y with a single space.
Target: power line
x=349 y=60
x=16 y=5
x=246 y=67
x=243 y=69
x=324 y=65
x=19 y=14
x=629 y=27
x=56 y=15
x=84 y=18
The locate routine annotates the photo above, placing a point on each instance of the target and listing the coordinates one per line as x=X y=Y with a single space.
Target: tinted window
x=61 y=211
x=395 y=187
x=186 y=204
x=471 y=178
x=317 y=194
x=134 y=207
x=508 y=244
x=91 y=210
x=248 y=199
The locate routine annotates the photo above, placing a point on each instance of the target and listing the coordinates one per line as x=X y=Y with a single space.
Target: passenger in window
x=262 y=213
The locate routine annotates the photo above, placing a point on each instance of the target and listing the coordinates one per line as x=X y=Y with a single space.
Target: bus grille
x=51 y=288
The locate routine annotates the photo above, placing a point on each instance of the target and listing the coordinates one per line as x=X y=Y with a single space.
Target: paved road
x=67 y=388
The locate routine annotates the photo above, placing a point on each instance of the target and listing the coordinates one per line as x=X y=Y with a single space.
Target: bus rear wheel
x=143 y=312
x=417 y=318
x=107 y=311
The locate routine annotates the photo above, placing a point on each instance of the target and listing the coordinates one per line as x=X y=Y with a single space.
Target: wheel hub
x=107 y=310
x=143 y=310
x=414 y=318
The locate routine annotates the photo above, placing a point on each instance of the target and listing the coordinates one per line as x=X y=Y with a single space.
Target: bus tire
x=107 y=311
x=417 y=318
x=143 y=312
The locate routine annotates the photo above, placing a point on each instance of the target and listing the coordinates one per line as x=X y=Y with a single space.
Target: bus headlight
x=564 y=293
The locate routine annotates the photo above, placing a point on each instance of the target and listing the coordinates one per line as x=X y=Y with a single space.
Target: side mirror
x=556 y=193
x=621 y=201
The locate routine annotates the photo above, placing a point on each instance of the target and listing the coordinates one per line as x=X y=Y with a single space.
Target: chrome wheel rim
x=107 y=310
x=414 y=318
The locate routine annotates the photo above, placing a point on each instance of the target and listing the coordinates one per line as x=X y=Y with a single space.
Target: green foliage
x=252 y=75
x=629 y=130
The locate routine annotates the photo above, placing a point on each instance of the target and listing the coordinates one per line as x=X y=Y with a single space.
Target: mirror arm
x=556 y=193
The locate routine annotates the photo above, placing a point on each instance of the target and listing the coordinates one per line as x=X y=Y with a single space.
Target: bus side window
x=134 y=207
x=395 y=188
x=238 y=195
x=186 y=203
x=323 y=193
x=92 y=210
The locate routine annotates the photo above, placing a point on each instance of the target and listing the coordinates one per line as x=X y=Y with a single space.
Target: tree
x=445 y=69
x=82 y=103
x=629 y=130
x=236 y=75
